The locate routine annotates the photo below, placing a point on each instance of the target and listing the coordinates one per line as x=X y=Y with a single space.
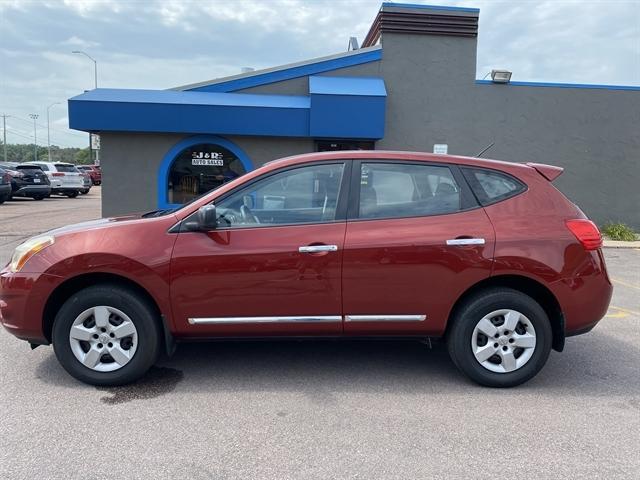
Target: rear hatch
x=69 y=175
x=32 y=175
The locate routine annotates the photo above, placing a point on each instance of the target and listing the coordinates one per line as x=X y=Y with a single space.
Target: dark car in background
x=27 y=181
x=5 y=185
x=87 y=183
x=94 y=172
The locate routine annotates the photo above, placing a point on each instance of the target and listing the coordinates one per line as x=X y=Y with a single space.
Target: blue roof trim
x=293 y=72
x=431 y=7
x=361 y=86
x=563 y=85
x=342 y=108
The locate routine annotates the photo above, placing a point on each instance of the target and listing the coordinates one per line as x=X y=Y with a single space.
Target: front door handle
x=318 y=248
x=466 y=241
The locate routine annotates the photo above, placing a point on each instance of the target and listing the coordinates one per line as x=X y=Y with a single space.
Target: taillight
x=586 y=232
x=57 y=174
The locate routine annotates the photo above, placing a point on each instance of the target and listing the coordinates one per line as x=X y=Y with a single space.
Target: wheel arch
x=64 y=291
x=534 y=289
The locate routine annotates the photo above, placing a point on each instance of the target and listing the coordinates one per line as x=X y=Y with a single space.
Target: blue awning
x=336 y=107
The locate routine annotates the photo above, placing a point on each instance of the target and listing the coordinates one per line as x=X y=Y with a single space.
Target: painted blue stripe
x=293 y=72
x=431 y=7
x=564 y=85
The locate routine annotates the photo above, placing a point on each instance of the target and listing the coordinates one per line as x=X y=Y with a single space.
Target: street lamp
x=34 y=116
x=95 y=76
x=95 y=65
x=48 y=137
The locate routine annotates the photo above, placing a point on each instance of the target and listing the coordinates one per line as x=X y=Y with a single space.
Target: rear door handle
x=466 y=241
x=318 y=248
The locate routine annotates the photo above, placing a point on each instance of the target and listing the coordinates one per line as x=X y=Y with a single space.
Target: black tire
x=97 y=183
x=39 y=197
x=135 y=307
x=2 y=200
x=85 y=191
x=72 y=194
x=465 y=319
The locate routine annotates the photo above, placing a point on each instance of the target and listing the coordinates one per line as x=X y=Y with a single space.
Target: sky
x=159 y=44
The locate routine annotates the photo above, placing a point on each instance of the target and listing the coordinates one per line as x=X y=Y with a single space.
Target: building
x=411 y=86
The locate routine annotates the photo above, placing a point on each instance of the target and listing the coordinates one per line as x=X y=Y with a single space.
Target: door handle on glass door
x=318 y=248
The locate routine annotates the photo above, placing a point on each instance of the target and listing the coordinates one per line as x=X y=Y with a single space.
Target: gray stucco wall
x=130 y=165
x=433 y=98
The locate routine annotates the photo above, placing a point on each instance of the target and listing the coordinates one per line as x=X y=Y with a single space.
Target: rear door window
x=394 y=190
x=491 y=186
x=61 y=167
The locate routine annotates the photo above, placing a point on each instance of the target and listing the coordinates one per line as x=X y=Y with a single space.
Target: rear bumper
x=5 y=190
x=584 y=297
x=32 y=191
x=65 y=190
x=23 y=297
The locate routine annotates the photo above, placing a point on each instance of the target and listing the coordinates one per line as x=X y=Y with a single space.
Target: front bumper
x=23 y=297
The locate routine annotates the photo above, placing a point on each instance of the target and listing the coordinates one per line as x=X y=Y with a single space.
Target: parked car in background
x=487 y=255
x=86 y=182
x=27 y=180
x=94 y=171
x=5 y=186
x=65 y=178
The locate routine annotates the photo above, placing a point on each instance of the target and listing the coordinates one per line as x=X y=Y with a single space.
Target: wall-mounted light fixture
x=500 y=76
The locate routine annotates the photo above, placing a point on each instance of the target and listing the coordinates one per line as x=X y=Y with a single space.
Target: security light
x=500 y=76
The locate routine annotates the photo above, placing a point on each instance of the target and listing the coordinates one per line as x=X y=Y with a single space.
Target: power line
x=67 y=132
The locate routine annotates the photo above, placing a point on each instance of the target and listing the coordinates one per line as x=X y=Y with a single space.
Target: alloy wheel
x=503 y=341
x=103 y=338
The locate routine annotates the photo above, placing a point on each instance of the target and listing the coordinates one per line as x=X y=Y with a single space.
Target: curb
x=620 y=244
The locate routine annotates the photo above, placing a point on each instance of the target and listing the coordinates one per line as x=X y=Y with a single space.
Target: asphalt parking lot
x=320 y=410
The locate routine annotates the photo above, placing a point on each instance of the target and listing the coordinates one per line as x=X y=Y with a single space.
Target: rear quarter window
x=491 y=186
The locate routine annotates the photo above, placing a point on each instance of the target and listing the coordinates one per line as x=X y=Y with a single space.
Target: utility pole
x=48 y=137
x=4 y=135
x=35 y=116
x=95 y=79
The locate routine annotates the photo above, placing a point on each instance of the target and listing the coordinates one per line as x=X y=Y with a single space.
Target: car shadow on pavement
x=320 y=368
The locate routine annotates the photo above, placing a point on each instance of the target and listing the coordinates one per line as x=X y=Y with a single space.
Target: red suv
x=94 y=172
x=487 y=254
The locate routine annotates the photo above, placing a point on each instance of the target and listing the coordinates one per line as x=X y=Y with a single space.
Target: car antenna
x=485 y=149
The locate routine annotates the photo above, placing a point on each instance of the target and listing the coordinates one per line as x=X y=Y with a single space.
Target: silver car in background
x=64 y=177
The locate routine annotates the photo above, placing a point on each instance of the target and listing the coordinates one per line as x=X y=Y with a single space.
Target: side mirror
x=207 y=219
x=204 y=220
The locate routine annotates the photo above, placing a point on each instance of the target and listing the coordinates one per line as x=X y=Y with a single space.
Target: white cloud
x=79 y=42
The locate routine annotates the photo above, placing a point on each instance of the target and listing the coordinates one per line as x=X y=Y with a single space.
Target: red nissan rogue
x=486 y=254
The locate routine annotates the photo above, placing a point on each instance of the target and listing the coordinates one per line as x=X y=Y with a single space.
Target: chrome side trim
x=466 y=241
x=385 y=318
x=244 y=320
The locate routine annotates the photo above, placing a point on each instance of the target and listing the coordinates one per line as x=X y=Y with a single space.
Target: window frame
x=468 y=199
x=341 y=205
x=479 y=193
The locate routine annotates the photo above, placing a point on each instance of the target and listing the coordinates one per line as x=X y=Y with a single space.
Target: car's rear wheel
x=106 y=335
x=500 y=337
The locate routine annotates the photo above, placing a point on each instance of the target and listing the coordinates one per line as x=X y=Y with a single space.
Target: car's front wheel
x=106 y=335
x=500 y=337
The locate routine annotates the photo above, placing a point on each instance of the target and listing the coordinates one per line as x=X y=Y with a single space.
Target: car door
x=273 y=264
x=416 y=240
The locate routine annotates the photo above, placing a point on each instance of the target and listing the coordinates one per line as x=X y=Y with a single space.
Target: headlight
x=28 y=249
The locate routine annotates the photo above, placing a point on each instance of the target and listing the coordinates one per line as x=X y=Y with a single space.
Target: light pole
x=34 y=116
x=95 y=65
x=95 y=77
x=48 y=136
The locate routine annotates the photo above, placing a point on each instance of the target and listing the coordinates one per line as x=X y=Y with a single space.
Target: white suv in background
x=64 y=177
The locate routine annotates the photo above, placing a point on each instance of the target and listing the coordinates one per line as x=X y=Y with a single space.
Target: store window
x=199 y=169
